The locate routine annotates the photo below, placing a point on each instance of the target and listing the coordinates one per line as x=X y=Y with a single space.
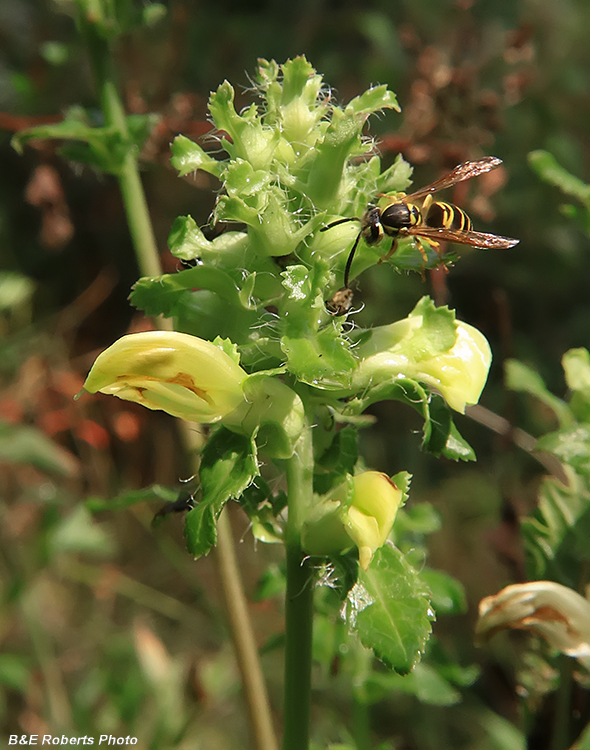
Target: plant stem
x=361 y=715
x=563 y=709
x=361 y=723
x=136 y=209
x=299 y=601
x=148 y=260
x=243 y=638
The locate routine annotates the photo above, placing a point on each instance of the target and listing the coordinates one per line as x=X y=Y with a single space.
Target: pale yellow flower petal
x=175 y=372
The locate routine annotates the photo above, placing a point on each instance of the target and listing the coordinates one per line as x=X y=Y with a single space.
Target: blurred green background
x=107 y=625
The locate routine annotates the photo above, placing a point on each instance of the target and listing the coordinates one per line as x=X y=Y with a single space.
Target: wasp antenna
x=339 y=221
x=350 y=258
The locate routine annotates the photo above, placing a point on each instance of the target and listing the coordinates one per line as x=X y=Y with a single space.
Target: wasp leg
x=420 y=244
x=349 y=260
x=392 y=250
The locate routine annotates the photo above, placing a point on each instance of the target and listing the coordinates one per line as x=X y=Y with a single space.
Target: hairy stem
x=299 y=601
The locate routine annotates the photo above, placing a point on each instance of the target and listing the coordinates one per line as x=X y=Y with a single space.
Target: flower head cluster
x=258 y=352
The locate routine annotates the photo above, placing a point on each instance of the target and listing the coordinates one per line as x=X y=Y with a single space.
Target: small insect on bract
x=418 y=215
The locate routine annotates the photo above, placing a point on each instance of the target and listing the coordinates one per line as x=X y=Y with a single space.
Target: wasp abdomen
x=443 y=215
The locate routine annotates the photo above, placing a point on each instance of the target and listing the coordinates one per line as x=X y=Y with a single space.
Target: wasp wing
x=462 y=172
x=476 y=239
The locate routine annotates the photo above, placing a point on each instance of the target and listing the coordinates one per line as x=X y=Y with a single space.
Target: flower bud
x=432 y=348
x=372 y=513
x=361 y=510
x=175 y=372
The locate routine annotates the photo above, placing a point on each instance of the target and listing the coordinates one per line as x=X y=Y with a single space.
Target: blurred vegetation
x=107 y=625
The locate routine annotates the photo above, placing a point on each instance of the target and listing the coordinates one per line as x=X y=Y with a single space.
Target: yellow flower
x=367 y=520
x=175 y=372
x=370 y=517
x=397 y=350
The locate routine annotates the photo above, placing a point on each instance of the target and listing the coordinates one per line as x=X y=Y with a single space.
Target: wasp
x=418 y=215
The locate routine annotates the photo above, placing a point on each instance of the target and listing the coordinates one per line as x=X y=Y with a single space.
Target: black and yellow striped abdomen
x=443 y=215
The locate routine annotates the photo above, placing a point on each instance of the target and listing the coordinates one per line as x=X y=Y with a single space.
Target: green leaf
x=344 y=570
x=262 y=508
x=160 y=295
x=521 y=378
x=337 y=461
x=576 y=366
x=75 y=126
x=272 y=583
x=102 y=147
x=127 y=499
x=250 y=139
x=572 y=446
x=139 y=128
x=457 y=448
x=576 y=374
x=55 y=53
x=200 y=530
x=417 y=518
x=437 y=425
x=583 y=742
x=551 y=531
x=234 y=208
x=186 y=241
x=298 y=77
x=153 y=13
x=396 y=178
x=20 y=444
x=243 y=180
x=424 y=682
x=79 y=532
x=440 y=435
x=322 y=360
x=326 y=164
x=448 y=594
x=15 y=673
x=205 y=314
x=438 y=332
x=390 y=608
x=373 y=100
x=501 y=733
x=228 y=466
x=16 y=290
x=188 y=157
x=547 y=167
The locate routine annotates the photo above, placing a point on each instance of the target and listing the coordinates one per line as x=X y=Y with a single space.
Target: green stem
x=299 y=601
x=361 y=723
x=136 y=209
x=361 y=715
x=563 y=709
